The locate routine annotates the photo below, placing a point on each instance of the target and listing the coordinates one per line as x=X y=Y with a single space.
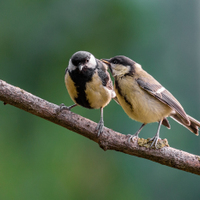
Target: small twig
x=109 y=139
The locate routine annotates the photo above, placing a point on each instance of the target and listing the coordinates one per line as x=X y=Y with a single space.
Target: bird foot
x=63 y=107
x=99 y=127
x=154 y=141
x=131 y=137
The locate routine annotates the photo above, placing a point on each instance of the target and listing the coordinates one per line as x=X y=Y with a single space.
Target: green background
x=41 y=160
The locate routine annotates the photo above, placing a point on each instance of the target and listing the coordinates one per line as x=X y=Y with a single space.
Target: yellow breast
x=97 y=94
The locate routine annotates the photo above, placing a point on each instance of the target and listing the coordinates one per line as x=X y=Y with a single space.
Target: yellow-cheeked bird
x=144 y=99
x=88 y=83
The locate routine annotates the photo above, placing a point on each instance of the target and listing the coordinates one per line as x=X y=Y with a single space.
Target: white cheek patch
x=71 y=67
x=120 y=70
x=114 y=69
x=92 y=62
x=113 y=66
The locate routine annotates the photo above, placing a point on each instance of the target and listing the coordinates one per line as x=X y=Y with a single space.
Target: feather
x=163 y=95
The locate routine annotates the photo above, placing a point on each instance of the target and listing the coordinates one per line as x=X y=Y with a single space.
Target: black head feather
x=122 y=60
x=80 y=57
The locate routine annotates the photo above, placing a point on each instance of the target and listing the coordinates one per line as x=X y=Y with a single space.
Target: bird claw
x=154 y=141
x=99 y=127
x=62 y=107
x=131 y=137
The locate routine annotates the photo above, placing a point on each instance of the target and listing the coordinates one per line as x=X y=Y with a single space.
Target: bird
x=88 y=84
x=144 y=99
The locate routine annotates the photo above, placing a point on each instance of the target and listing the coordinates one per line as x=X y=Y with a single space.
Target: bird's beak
x=107 y=61
x=80 y=67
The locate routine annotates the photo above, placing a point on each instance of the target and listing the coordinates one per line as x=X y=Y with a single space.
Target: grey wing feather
x=165 y=122
x=109 y=83
x=105 y=76
x=66 y=70
x=165 y=96
x=116 y=100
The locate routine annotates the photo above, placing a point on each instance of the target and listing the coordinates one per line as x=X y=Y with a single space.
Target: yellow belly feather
x=97 y=94
x=145 y=107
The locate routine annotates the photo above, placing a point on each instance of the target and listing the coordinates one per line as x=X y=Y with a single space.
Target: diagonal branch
x=109 y=139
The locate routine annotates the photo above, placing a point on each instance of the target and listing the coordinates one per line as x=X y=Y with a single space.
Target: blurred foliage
x=40 y=160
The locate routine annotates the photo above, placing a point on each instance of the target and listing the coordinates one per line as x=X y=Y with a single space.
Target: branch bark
x=108 y=140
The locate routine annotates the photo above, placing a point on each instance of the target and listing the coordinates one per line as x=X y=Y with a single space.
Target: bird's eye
x=115 y=61
x=87 y=60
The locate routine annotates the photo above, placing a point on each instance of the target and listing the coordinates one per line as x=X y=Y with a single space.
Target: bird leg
x=136 y=134
x=63 y=107
x=156 y=137
x=100 y=125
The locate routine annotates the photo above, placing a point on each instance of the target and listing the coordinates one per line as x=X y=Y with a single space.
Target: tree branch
x=108 y=140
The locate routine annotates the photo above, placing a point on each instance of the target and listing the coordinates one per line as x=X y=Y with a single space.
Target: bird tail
x=116 y=100
x=193 y=126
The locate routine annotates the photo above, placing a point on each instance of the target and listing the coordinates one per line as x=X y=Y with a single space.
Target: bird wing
x=109 y=85
x=104 y=75
x=105 y=78
x=66 y=70
x=163 y=95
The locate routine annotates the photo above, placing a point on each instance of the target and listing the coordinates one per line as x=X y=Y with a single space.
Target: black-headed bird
x=88 y=83
x=144 y=99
